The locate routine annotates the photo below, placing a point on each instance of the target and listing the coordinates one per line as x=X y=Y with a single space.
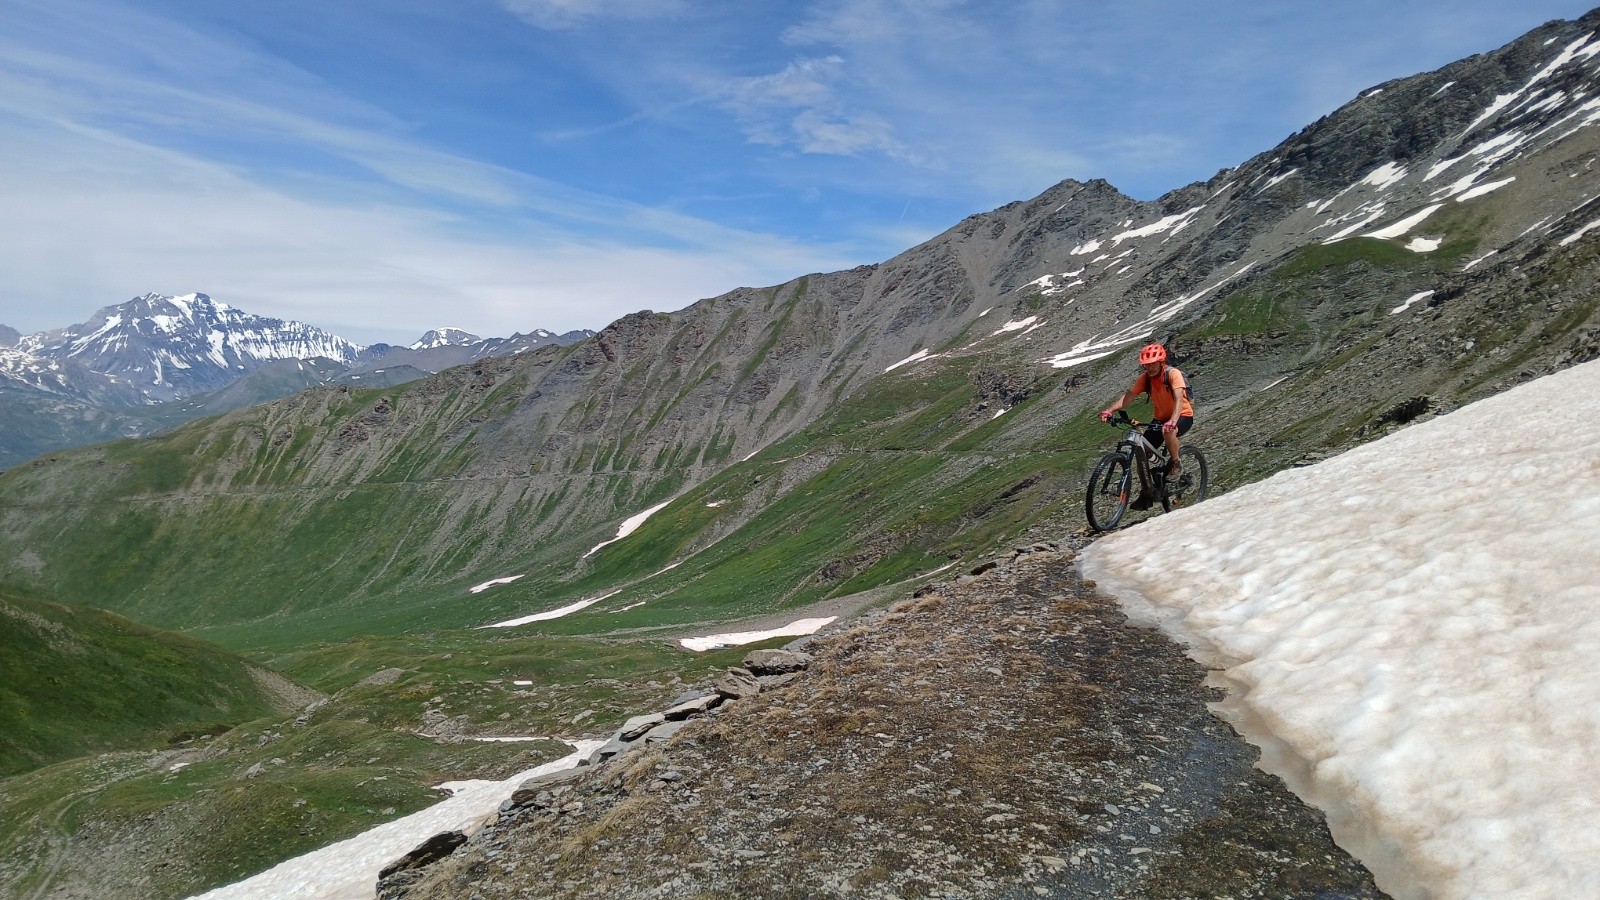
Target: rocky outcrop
x=1004 y=733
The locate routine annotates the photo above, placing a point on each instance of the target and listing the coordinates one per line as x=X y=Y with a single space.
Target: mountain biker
x=1169 y=395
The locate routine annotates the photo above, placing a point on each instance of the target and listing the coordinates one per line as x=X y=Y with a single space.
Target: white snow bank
x=349 y=869
x=1482 y=189
x=1411 y=631
x=1414 y=298
x=1580 y=232
x=546 y=616
x=628 y=526
x=1016 y=325
x=717 y=641
x=1405 y=225
x=918 y=356
x=480 y=588
x=1097 y=347
x=1385 y=175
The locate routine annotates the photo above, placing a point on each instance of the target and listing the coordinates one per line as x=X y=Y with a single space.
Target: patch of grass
x=75 y=680
x=1247 y=313
x=1314 y=258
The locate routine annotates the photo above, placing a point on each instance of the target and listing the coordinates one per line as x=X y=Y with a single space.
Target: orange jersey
x=1165 y=390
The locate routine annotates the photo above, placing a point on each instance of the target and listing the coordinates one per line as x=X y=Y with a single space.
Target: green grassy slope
x=75 y=680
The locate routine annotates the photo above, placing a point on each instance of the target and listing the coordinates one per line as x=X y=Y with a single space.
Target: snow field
x=796 y=628
x=349 y=869
x=1411 y=632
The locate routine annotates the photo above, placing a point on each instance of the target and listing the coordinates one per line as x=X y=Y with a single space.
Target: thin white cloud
x=107 y=192
x=90 y=218
x=801 y=107
x=560 y=14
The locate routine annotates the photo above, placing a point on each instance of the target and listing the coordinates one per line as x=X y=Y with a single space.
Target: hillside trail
x=53 y=846
x=1003 y=733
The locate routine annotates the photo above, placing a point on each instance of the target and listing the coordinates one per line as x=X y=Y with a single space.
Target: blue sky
x=381 y=167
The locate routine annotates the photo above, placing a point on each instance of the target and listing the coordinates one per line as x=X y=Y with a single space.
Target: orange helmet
x=1152 y=353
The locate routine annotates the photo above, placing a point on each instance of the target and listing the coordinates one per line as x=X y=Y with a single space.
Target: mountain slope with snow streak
x=1411 y=631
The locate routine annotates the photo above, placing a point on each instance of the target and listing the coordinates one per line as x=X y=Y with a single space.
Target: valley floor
x=1004 y=733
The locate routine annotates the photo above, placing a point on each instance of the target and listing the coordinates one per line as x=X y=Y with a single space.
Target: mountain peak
x=176 y=346
x=445 y=337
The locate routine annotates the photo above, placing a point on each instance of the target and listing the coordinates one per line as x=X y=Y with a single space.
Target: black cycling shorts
x=1152 y=432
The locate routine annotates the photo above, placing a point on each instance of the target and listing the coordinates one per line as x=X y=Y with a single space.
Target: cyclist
x=1169 y=395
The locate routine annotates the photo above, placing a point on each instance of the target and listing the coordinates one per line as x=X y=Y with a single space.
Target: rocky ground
x=1004 y=733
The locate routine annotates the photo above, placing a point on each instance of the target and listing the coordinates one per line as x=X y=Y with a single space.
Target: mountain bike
x=1116 y=476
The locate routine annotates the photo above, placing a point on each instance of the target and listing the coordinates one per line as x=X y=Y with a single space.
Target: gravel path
x=1005 y=733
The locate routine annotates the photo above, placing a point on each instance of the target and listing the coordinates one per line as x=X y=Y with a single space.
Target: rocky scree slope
x=1428 y=243
x=1004 y=733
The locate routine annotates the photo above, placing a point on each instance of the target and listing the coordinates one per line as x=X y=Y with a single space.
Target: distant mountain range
x=158 y=360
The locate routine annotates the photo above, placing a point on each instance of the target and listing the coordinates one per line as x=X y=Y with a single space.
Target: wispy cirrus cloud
x=125 y=173
x=560 y=14
x=801 y=107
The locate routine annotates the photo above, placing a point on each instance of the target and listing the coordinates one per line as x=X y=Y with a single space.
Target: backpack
x=1188 y=384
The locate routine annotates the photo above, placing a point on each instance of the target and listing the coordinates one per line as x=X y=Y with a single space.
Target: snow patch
x=1385 y=175
x=480 y=588
x=1420 y=663
x=1173 y=223
x=916 y=357
x=1571 y=238
x=554 y=613
x=738 y=638
x=1414 y=298
x=349 y=869
x=1016 y=325
x=1424 y=245
x=1404 y=225
x=1482 y=189
x=628 y=526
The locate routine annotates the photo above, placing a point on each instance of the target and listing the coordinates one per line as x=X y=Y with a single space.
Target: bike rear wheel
x=1106 y=498
x=1190 y=487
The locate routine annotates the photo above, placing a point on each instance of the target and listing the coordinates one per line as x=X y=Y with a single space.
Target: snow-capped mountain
x=173 y=347
x=445 y=337
x=155 y=349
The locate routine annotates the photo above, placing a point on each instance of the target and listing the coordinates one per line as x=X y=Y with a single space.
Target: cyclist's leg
x=1171 y=439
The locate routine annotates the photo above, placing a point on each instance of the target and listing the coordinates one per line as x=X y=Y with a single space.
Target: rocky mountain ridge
x=147 y=363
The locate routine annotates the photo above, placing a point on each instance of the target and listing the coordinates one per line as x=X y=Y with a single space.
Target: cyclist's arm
x=1177 y=385
x=1127 y=398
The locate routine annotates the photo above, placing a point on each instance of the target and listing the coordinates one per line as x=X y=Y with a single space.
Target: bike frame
x=1136 y=442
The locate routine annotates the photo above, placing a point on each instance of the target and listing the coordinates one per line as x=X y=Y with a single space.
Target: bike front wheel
x=1190 y=487
x=1106 y=498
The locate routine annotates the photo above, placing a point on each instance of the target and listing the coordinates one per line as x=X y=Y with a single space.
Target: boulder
x=426 y=853
x=614 y=747
x=527 y=793
x=737 y=684
x=696 y=704
x=776 y=662
x=638 y=725
x=664 y=732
